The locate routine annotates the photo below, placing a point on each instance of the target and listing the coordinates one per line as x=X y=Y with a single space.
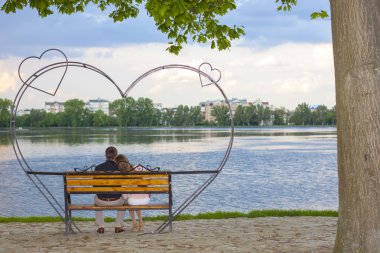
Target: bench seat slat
x=123 y=207
x=117 y=189
x=91 y=182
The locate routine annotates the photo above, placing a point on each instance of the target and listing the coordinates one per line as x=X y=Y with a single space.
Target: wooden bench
x=117 y=182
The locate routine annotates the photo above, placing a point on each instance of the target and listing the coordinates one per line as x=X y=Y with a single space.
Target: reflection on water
x=119 y=135
x=284 y=168
x=73 y=136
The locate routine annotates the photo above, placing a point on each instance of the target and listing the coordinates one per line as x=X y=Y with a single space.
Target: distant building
x=259 y=102
x=23 y=112
x=93 y=105
x=98 y=104
x=158 y=106
x=54 y=107
x=314 y=107
x=206 y=107
x=235 y=102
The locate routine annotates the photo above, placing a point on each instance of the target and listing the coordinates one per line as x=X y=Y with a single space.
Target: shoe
x=141 y=226
x=100 y=231
x=135 y=226
x=119 y=230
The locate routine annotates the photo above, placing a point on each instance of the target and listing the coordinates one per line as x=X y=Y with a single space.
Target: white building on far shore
x=54 y=107
x=23 y=112
x=93 y=105
x=206 y=107
x=98 y=104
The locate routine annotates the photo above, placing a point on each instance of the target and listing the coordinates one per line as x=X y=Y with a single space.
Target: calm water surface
x=268 y=168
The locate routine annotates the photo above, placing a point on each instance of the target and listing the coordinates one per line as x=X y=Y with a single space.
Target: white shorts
x=138 y=202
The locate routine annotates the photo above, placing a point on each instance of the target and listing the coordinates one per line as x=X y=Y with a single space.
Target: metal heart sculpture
x=214 y=75
x=204 y=71
x=43 y=70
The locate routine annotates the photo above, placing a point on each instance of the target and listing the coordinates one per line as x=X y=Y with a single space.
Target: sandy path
x=272 y=234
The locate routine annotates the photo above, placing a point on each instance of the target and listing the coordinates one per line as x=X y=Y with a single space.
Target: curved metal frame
x=33 y=175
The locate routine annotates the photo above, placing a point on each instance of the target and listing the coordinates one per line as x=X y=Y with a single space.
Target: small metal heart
x=209 y=72
x=39 y=58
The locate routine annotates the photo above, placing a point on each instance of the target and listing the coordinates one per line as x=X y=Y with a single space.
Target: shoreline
x=265 y=234
x=203 y=216
x=7 y=129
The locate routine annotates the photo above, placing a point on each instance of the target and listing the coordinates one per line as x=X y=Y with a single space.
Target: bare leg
x=134 y=223
x=141 y=224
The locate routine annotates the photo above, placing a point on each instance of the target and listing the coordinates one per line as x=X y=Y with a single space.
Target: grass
x=205 y=216
x=283 y=213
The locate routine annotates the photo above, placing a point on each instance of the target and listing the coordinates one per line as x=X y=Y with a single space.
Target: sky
x=285 y=58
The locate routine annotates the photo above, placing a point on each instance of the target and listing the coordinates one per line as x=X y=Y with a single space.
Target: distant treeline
x=142 y=113
x=303 y=115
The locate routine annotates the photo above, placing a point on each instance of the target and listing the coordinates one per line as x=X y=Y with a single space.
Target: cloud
x=304 y=84
x=284 y=75
x=175 y=76
x=97 y=17
x=7 y=82
x=267 y=61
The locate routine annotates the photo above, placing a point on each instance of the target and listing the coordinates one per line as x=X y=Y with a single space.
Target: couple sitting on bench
x=115 y=162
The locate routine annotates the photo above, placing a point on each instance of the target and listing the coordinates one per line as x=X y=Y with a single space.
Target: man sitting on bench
x=109 y=199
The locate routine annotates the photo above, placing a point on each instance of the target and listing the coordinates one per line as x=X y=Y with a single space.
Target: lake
x=268 y=168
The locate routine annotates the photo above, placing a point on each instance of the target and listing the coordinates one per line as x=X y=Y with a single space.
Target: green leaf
x=174 y=49
x=322 y=14
x=213 y=44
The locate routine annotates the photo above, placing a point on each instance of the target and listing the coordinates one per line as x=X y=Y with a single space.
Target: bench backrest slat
x=117 y=183
x=124 y=182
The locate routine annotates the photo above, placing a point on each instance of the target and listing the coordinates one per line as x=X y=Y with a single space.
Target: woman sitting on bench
x=133 y=199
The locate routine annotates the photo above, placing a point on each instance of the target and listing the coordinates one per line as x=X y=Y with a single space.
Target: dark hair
x=111 y=153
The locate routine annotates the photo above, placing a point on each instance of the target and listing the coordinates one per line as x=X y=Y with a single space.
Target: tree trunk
x=356 y=44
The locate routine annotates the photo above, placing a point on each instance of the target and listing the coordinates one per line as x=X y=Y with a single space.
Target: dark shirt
x=107 y=166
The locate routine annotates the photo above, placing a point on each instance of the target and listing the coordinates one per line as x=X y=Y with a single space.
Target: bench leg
x=68 y=223
x=69 y=227
x=170 y=220
x=71 y=223
x=170 y=205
